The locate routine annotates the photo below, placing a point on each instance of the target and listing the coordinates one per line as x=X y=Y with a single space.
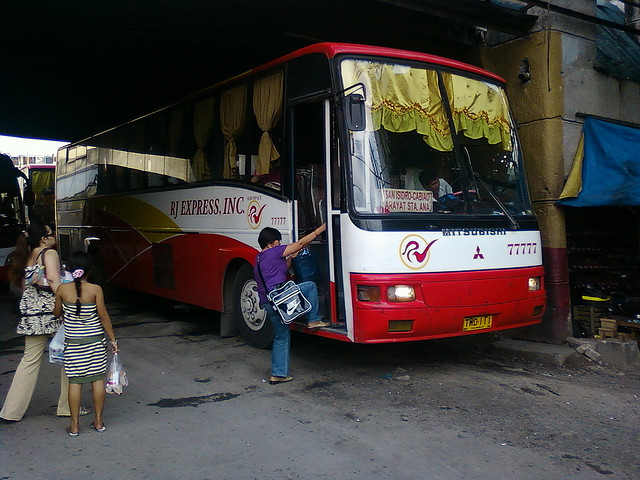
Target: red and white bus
x=172 y=203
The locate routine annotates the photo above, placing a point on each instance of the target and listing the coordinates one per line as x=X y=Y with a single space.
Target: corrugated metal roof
x=618 y=52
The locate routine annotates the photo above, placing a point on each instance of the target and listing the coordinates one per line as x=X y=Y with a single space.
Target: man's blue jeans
x=281 y=339
x=282 y=333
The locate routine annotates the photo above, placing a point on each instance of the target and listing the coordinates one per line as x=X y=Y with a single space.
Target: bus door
x=309 y=125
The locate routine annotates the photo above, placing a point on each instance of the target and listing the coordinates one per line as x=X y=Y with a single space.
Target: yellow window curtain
x=233 y=111
x=267 y=106
x=401 y=99
x=202 y=129
x=479 y=109
x=39 y=181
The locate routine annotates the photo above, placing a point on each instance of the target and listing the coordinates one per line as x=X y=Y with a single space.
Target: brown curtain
x=267 y=106
x=233 y=112
x=202 y=129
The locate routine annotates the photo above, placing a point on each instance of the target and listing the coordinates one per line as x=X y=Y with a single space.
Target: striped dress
x=85 y=346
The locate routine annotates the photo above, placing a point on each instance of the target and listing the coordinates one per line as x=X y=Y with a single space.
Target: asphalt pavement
x=200 y=407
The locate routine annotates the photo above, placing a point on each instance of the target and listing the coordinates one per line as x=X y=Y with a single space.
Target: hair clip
x=78 y=273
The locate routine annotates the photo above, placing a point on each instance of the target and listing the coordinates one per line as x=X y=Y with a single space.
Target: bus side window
x=266 y=129
x=233 y=118
x=203 y=126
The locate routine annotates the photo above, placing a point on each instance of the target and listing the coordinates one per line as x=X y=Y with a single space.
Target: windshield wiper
x=512 y=221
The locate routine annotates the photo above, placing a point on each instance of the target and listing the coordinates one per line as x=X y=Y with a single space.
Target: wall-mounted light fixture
x=524 y=75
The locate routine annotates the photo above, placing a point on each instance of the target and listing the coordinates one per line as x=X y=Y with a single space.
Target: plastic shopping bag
x=65 y=276
x=56 y=347
x=116 y=376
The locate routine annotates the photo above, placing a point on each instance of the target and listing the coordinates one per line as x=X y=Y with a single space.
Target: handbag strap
x=264 y=284
x=38 y=258
x=41 y=254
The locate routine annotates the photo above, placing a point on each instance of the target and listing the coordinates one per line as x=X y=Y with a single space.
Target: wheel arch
x=228 y=326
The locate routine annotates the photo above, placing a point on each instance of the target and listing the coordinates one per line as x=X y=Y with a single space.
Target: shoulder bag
x=286 y=299
x=34 y=274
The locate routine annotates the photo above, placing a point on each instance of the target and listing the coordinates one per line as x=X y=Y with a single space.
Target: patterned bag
x=36 y=312
x=33 y=274
x=288 y=301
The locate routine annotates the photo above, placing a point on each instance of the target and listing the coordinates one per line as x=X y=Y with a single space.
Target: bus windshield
x=406 y=161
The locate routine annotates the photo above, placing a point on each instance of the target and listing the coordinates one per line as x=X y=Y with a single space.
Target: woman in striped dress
x=86 y=322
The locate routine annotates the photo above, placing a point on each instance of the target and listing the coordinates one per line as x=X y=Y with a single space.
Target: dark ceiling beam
x=382 y=23
x=582 y=16
x=72 y=69
x=473 y=13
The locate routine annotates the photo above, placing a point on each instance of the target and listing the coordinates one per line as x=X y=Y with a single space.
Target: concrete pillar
x=538 y=106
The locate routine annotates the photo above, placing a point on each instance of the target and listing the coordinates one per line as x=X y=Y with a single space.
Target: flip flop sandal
x=280 y=380
x=71 y=434
x=101 y=429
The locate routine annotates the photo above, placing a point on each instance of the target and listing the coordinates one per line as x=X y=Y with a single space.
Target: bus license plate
x=476 y=323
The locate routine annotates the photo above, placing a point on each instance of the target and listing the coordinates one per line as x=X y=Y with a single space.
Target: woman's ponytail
x=80 y=266
x=78 y=283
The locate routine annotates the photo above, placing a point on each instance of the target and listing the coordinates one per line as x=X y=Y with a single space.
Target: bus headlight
x=534 y=284
x=401 y=293
x=368 y=293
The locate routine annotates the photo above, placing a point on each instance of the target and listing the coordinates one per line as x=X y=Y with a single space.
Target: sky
x=15 y=146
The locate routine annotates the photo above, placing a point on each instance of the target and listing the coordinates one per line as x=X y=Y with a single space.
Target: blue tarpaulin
x=606 y=169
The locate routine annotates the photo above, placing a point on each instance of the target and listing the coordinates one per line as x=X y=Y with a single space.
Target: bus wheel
x=252 y=321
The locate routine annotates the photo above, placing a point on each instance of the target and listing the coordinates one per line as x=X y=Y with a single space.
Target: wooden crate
x=589 y=317
x=626 y=336
x=627 y=327
x=608 y=332
x=609 y=323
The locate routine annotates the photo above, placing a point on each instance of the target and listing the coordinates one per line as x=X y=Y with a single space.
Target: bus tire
x=251 y=320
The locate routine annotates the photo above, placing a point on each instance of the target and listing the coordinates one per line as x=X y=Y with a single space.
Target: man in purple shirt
x=272 y=266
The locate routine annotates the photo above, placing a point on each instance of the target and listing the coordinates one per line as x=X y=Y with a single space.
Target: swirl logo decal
x=415 y=251
x=254 y=214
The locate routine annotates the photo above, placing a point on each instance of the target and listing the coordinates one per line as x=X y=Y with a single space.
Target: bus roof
x=333 y=49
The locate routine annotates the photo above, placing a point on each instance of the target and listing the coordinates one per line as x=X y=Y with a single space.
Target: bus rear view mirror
x=354 y=112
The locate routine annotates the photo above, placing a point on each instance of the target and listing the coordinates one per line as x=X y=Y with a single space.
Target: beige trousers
x=26 y=377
